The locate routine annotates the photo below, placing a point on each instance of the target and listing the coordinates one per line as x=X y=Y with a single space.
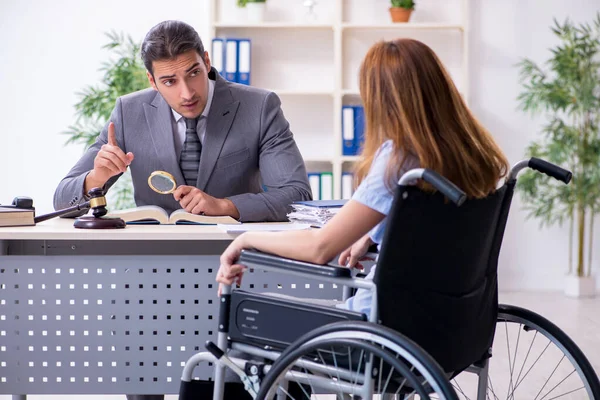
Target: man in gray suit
x=240 y=136
x=244 y=139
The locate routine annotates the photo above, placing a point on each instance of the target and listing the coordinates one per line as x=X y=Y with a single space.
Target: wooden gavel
x=97 y=203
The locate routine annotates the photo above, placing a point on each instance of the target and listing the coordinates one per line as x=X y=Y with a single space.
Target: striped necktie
x=190 y=153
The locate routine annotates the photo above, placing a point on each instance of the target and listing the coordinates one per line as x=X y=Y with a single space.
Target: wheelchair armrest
x=258 y=259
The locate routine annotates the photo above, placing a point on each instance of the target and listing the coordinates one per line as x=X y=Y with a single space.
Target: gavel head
x=97 y=202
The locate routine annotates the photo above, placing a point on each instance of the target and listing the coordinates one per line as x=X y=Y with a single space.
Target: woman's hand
x=352 y=255
x=230 y=272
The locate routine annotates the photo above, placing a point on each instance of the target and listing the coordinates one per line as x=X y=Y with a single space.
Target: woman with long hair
x=415 y=118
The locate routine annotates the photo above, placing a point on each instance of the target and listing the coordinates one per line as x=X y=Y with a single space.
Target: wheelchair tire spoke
x=379 y=375
x=403 y=381
x=524 y=361
x=558 y=384
x=512 y=370
x=547 y=380
x=457 y=386
x=287 y=393
x=389 y=377
x=529 y=370
x=510 y=365
x=384 y=365
x=335 y=365
x=569 y=392
x=491 y=388
x=401 y=386
x=312 y=388
x=362 y=356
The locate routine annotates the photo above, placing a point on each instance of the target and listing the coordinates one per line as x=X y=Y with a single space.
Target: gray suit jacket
x=247 y=144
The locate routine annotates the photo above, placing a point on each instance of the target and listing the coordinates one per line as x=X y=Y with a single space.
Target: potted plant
x=124 y=73
x=569 y=94
x=401 y=10
x=256 y=9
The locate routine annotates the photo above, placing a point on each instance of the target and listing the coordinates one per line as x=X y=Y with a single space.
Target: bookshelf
x=313 y=63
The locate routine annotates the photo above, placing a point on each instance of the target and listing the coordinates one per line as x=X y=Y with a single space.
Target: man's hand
x=109 y=161
x=195 y=201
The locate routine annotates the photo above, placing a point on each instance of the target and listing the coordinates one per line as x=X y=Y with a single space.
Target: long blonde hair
x=409 y=97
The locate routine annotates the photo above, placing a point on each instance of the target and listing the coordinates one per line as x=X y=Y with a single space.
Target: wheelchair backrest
x=437 y=272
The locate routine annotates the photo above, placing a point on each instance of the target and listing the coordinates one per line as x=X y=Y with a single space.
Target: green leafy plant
x=124 y=73
x=242 y=3
x=569 y=95
x=408 y=4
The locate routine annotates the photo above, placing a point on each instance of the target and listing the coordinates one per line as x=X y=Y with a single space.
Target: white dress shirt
x=179 y=122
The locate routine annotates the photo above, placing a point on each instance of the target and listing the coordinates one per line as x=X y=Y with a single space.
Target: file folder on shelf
x=314 y=180
x=359 y=128
x=218 y=56
x=347 y=182
x=348 y=142
x=231 y=60
x=244 y=61
x=326 y=186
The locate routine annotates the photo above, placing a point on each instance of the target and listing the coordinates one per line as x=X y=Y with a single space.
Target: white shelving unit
x=313 y=65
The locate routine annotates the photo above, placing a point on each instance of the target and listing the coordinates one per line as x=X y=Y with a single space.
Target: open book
x=156 y=214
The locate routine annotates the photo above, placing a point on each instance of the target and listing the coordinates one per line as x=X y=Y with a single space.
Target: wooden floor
x=579 y=318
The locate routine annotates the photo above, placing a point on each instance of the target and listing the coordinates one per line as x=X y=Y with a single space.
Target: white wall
x=502 y=33
x=50 y=50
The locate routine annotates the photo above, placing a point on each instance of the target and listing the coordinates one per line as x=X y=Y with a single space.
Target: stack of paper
x=317 y=212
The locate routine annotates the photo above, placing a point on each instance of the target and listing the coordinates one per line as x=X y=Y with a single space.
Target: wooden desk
x=113 y=311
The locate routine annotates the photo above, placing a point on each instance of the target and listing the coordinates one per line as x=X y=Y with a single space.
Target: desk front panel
x=74 y=321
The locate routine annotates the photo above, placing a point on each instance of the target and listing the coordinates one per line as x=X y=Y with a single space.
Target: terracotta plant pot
x=400 y=14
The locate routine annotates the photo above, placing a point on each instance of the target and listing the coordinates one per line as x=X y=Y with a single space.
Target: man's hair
x=169 y=39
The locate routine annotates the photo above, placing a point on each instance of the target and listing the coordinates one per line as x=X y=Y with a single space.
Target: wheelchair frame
x=426 y=366
x=363 y=390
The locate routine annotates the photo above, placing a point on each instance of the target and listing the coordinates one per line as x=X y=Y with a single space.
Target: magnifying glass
x=162 y=182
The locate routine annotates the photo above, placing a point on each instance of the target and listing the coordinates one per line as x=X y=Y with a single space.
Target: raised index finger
x=112 y=137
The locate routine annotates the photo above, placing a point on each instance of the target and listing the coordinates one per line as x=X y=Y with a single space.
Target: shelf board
x=318 y=160
x=350 y=92
x=299 y=92
x=351 y=158
x=346 y=25
x=272 y=25
x=407 y=25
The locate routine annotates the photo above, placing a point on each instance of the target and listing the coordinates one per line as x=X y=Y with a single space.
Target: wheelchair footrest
x=198 y=389
x=261 y=320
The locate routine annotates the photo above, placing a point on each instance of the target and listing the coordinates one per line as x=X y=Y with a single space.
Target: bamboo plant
x=567 y=92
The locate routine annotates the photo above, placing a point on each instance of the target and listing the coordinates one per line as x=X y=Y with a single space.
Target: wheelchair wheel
x=335 y=360
x=533 y=359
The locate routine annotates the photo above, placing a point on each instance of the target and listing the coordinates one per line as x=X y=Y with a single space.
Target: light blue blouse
x=373 y=193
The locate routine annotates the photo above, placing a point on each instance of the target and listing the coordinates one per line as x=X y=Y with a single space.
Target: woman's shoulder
x=385 y=149
x=387 y=146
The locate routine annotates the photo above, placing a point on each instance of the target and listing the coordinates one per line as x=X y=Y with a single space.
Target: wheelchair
x=435 y=329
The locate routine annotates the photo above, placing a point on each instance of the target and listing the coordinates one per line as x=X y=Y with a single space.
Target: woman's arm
x=318 y=246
